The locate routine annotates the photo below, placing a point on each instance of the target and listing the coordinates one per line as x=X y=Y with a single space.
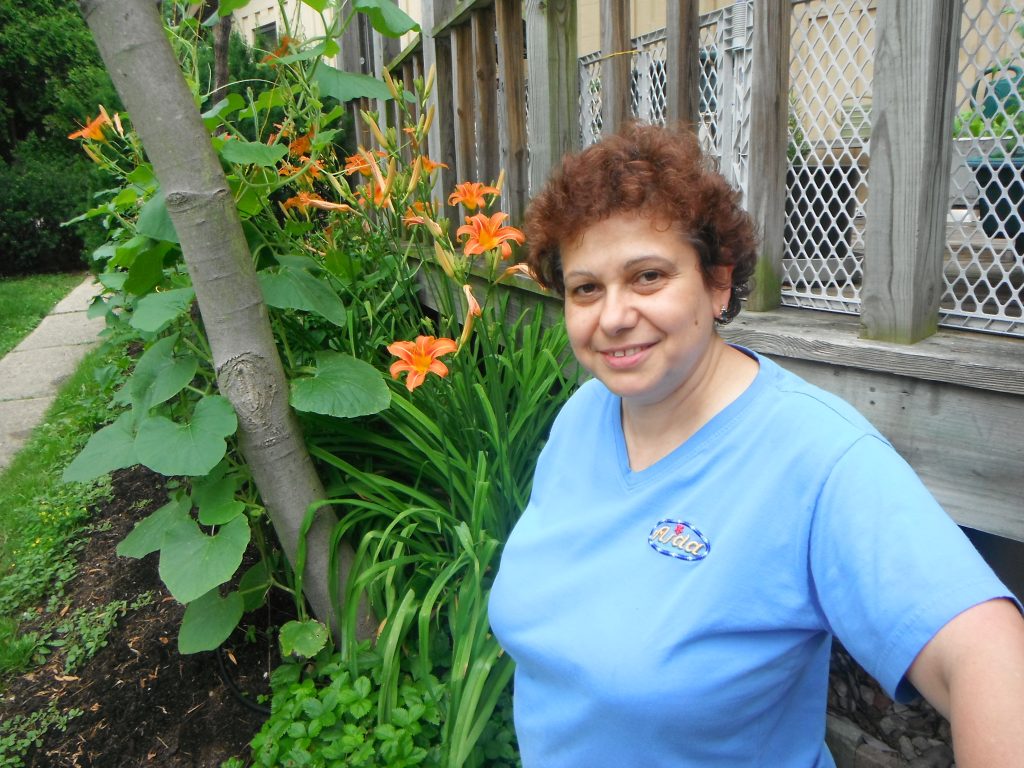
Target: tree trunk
x=136 y=52
x=221 y=44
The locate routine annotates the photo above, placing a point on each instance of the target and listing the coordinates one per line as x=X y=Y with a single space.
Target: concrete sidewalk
x=32 y=372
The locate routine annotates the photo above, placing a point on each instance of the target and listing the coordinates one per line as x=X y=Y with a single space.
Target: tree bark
x=221 y=45
x=136 y=52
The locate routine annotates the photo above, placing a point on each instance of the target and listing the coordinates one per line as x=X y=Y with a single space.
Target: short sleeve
x=889 y=566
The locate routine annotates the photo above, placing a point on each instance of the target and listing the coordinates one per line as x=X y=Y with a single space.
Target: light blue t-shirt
x=682 y=615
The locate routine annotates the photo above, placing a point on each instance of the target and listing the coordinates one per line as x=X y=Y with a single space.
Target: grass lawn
x=24 y=301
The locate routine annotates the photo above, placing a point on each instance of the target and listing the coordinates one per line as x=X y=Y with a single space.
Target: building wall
x=645 y=16
x=298 y=20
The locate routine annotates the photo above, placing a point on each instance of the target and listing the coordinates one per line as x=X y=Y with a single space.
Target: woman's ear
x=721 y=278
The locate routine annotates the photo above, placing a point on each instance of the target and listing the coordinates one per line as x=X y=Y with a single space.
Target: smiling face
x=639 y=313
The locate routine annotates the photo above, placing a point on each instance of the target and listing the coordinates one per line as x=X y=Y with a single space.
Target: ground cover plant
x=428 y=468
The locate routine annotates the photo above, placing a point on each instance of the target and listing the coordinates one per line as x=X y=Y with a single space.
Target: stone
x=907 y=748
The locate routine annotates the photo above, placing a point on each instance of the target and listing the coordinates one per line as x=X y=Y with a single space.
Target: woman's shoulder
x=811 y=408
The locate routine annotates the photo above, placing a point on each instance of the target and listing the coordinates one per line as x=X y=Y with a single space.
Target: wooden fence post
x=552 y=55
x=769 y=129
x=351 y=58
x=615 y=66
x=437 y=53
x=512 y=106
x=917 y=42
x=384 y=50
x=682 y=58
x=485 y=54
x=465 y=106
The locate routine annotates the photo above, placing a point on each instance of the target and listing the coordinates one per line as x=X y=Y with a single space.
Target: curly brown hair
x=659 y=172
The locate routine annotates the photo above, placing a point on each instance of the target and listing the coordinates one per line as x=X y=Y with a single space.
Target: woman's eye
x=648 y=276
x=585 y=289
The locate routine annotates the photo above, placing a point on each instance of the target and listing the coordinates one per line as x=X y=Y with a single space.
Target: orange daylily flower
x=305 y=200
x=484 y=233
x=420 y=357
x=361 y=162
x=314 y=169
x=471 y=194
x=93 y=129
x=373 y=194
x=300 y=145
x=429 y=165
x=282 y=49
x=416 y=213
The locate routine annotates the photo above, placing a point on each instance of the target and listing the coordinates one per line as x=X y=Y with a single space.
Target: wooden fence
x=950 y=401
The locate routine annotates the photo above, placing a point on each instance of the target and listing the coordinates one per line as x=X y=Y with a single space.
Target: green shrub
x=39 y=190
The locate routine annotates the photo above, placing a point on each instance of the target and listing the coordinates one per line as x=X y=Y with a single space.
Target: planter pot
x=1001 y=197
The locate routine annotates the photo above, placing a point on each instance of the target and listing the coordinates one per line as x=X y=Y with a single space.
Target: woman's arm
x=972 y=671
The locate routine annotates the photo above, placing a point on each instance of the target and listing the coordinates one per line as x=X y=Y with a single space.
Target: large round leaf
x=192 y=563
x=113 y=447
x=304 y=638
x=252 y=152
x=155 y=310
x=148 y=534
x=160 y=375
x=187 y=449
x=297 y=289
x=386 y=17
x=342 y=386
x=214 y=494
x=208 y=621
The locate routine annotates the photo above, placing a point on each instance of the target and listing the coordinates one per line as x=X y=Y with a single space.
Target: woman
x=703 y=522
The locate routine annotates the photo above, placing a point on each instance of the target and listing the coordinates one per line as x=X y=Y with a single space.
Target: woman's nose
x=617 y=312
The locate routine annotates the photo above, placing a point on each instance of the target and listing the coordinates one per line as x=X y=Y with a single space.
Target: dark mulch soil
x=143 y=703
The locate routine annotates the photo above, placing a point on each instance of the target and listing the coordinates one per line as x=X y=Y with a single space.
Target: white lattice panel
x=590 y=99
x=832 y=44
x=725 y=39
x=984 y=269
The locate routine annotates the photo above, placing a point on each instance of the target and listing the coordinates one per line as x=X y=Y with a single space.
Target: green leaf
x=154 y=220
x=342 y=386
x=345 y=86
x=147 y=270
x=215 y=497
x=297 y=289
x=192 y=563
x=254 y=585
x=125 y=253
x=113 y=447
x=159 y=375
x=148 y=534
x=209 y=621
x=386 y=17
x=274 y=97
x=252 y=152
x=215 y=115
x=112 y=280
x=143 y=176
x=229 y=6
x=155 y=310
x=187 y=449
x=304 y=638
x=317 y=5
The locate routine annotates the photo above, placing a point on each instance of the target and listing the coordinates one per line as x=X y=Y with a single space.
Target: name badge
x=679 y=539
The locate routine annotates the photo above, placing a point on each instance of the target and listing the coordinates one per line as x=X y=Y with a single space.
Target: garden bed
x=141 y=702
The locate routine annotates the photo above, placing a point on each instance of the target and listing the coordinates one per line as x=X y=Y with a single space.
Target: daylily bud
x=444 y=259
x=417 y=164
x=391 y=84
x=430 y=79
